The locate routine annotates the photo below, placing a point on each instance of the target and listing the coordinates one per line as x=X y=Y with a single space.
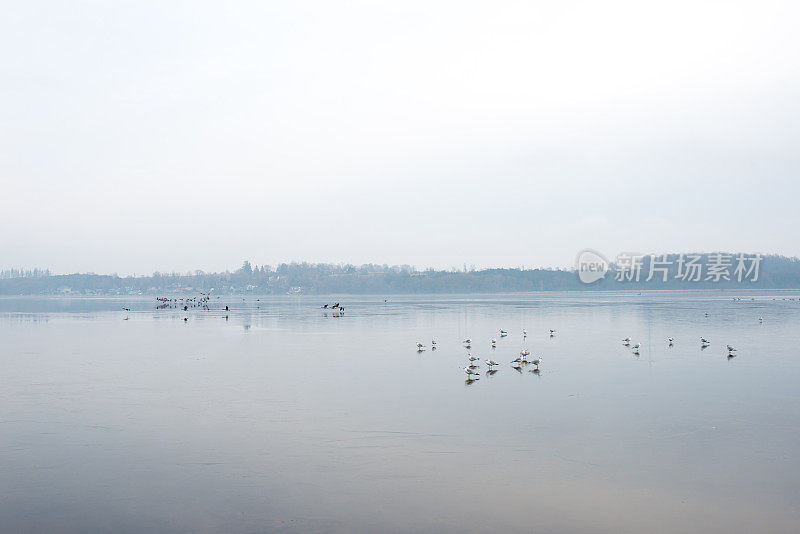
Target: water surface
x=276 y=416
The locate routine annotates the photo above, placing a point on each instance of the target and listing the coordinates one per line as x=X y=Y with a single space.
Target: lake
x=278 y=416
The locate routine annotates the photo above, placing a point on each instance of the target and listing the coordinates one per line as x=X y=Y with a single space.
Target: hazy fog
x=172 y=136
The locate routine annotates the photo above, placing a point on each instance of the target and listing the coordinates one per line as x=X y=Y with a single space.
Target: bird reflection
x=517 y=368
x=731 y=355
x=470 y=381
x=536 y=371
x=703 y=347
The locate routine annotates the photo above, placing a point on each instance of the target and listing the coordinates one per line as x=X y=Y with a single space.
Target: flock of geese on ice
x=472 y=365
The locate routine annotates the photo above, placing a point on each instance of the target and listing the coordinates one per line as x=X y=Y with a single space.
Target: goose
x=503 y=333
x=491 y=363
x=518 y=359
x=730 y=349
x=537 y=361
x=494 y=343
x=524 y=333
x=670 y=340
x=473 y=358
x=470 y=373
x=704 y=341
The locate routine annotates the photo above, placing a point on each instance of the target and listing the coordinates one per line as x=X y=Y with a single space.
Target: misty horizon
x=12 y=272
x=434 y=134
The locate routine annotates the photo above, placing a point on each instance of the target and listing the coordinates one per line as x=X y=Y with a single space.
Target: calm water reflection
x=282 y=418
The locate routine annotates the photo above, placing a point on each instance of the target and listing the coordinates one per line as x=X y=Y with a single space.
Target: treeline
x=24 y=273
x=774 y=272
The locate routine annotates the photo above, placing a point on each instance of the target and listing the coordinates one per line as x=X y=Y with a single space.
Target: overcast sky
x=139 y=136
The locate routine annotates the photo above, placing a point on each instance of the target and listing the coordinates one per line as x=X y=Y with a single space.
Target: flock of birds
x=472 y=364
x=704 y=343
x=184 y=303
x=336 y=308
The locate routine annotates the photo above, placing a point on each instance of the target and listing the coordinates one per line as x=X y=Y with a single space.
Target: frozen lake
x=285 y=418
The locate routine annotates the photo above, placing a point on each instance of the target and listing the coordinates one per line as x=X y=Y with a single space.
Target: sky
x=173 y=136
